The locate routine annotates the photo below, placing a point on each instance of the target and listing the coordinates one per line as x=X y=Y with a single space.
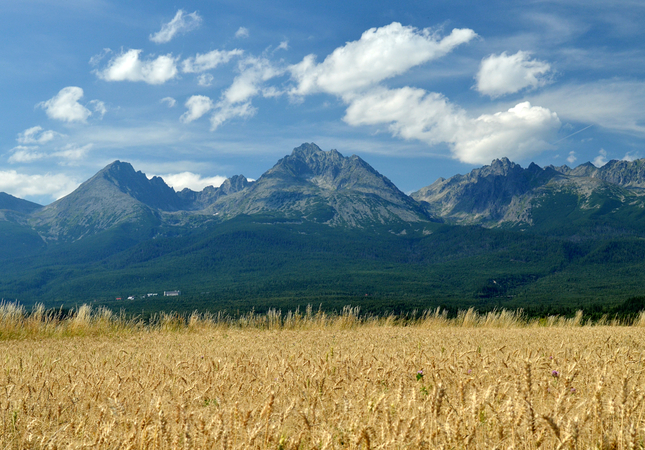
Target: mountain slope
x=11 y=203
x=324 y=187
x=550 y=199
x=115 y=195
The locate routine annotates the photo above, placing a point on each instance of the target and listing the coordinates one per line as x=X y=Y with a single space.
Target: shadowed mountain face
x=324 y=187
x=11 y=203
x=505 y=194
x=115 y=195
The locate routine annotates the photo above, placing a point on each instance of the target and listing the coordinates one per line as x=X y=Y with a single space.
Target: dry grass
x=316 y=381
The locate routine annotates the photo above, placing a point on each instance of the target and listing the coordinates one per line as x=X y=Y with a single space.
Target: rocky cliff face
x=115 y=195
x=484 y=195
x=200 y=200
x=325 y=187
x=505 y=193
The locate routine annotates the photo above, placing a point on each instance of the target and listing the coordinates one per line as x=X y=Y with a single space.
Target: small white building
x=171 y=293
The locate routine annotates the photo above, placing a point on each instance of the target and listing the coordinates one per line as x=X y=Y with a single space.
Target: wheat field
x=314 y=381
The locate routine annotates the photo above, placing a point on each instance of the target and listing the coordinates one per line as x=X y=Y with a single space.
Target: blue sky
x=197 y=91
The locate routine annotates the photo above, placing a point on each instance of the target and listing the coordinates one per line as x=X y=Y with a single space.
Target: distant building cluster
x=154 y=294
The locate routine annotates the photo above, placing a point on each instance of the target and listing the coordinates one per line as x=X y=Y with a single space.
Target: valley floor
x=336 y=386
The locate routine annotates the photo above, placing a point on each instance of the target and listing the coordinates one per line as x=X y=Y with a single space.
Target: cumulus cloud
x=205 y=79
x=129 y=67
x=236 y=100
x=36 y=135
x=227 y=111
x=613 y=104
x=72 y=152
x=65 y=106
x=518 y=133
x=24 y=185
x=506 y=74
x=181 y=23
x=242 y=32
x=601 y=159
x=629 y=157
x=168 y=101
x=379 y=54
x=96 y=59
x=25 y=154
x=253 y=72
x=208 y=61
x=413 y=113
x=572 y=157
x=66 y=155
x=193 y=181
x=99 y=107
x=197 y=105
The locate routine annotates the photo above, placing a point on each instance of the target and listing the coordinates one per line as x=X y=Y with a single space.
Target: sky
x=198 y=91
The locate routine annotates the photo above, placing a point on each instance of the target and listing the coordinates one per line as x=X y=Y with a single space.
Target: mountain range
x=322 y=226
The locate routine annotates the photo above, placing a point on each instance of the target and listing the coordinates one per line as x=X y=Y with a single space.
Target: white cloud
x=613 y=104
x=23 y=185
x=572 y=157
x=96 y=59
x=601 y=159
x=253 y=72
x=413 y=113
x=99 y=107
x=629 y=157
x=65 y=106
x=190 y=180
x=227 y=111
x=518 y=133
x=197 y=105
x=205 y=79
x=25 y=154
x=168 y=101
x=208 y=61
x=503 y=74
x=242 y=32
x=181 y=23
x=128 y=67
x=69 y=153
x=236 y=100
x=36 y=135
x=73 y=152
x=379 y=54
x=284 y=45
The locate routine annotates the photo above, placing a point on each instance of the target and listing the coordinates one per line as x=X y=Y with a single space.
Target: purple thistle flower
x=555 y=374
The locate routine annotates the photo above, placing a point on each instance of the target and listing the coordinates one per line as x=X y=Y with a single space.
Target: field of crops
x=321 y=383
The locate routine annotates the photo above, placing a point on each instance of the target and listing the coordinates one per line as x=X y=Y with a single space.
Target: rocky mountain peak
x=152 y=192
x=499 y=167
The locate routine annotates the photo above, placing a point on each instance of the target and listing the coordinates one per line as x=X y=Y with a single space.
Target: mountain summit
x=324 y=187
x=505 y=194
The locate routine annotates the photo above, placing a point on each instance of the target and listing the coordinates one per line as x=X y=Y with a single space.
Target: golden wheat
x=304 y=381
